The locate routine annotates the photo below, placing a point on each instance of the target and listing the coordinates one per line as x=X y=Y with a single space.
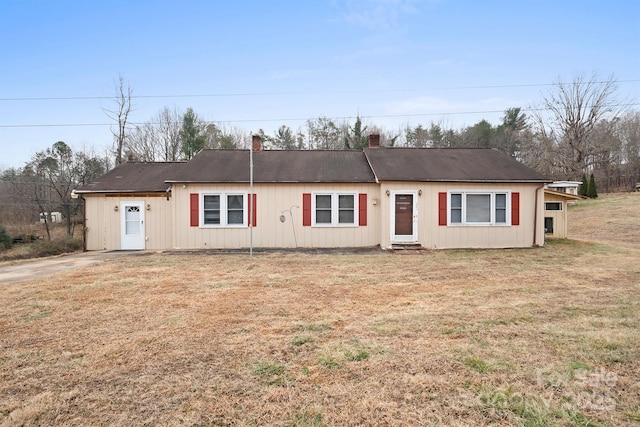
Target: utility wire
x=335 y=92
x=298 y=119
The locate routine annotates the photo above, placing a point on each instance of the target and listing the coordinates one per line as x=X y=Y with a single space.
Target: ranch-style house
x=434 y=198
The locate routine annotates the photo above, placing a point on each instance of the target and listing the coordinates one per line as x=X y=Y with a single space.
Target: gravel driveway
x=26 y=270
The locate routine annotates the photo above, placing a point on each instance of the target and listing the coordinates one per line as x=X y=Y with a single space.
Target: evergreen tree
x=592 y=192
x=191 y=134
x=584 y=187
x=356 y=139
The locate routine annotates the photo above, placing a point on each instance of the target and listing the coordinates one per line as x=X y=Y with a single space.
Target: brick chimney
x=374 y=140
x=257 y=143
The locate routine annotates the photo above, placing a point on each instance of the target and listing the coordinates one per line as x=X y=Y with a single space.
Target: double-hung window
x=334 y=209
x=478 y=208
x=223 y=210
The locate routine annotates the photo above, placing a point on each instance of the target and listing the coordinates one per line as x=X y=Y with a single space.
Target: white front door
x=132 y=225
x=404 y=217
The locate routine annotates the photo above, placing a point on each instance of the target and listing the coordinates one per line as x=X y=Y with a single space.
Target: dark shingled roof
x=218 y=166
x=448 y=165
x=133 y=177
x=330 y=166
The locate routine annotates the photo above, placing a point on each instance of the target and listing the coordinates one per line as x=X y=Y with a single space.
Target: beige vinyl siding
x=273 y=201
x=103 y=221
x=560 y=222
x=433 y=236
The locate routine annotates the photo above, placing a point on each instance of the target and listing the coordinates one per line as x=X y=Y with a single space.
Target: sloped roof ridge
x=156 y=162
x=432 y=148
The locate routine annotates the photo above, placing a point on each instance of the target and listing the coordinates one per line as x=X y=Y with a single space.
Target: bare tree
x=629 y=134
x=141 y=144
x=324 y=134
x=156 y=140
x=168 y=129
x=120 y=115
x=575 y=109
x=231 y=138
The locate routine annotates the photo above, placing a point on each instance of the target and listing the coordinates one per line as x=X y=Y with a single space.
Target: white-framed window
x=479 y=208
x=334 y=209
x=553 y=206
x=223 y=210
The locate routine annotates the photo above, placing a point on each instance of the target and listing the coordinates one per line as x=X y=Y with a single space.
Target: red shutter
x=306 y=209
x=515 y=208
x=195 y=212
x=362 y=209
x=442 y=208
x=252 y=211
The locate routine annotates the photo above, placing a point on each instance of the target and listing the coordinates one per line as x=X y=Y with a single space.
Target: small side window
x=553 y=206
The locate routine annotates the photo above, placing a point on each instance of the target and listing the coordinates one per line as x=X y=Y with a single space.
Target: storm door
x=132 y=235
x=404 y=227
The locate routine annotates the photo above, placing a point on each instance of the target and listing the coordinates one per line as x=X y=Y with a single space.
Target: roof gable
x=448 y=165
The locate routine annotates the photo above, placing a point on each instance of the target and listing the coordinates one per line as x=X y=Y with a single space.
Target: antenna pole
x=251 y=208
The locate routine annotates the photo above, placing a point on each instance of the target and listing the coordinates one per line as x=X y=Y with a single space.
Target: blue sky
x=262 y=64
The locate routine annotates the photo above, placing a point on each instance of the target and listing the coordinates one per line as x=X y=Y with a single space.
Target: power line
x=297 y=119
x=291 y=93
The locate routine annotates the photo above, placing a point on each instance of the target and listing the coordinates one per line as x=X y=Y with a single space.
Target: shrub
x=55 y=247
x=5 y=239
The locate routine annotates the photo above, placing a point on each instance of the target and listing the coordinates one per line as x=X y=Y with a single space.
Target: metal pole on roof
x=251 y=203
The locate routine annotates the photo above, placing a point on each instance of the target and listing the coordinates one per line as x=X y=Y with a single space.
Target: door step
x=406 y=247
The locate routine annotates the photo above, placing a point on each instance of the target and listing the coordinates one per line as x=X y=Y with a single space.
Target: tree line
x=582 y=128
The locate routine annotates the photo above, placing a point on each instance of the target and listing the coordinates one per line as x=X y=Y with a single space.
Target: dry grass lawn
x=533 y=337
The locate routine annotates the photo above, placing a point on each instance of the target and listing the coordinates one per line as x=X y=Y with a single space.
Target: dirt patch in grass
x=542 y=336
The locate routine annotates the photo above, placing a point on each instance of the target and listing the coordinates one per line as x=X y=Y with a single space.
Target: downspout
x=84 y=223
x=535 y=218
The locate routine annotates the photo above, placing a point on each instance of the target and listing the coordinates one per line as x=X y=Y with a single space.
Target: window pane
x=323 y=216
x=323 y=202
x=553 y=206
x=212 y=217
x=212 y=202
x=346 y=216
x=234 y=202
x=346 y=209
x=456 y=216
x=235 y=211
x=456 y=201
x=345 y=201
x=132 y=227
x=478 y=208
x=235 y=217
x=501 y=216
x=211 y=214
x=501 y=201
